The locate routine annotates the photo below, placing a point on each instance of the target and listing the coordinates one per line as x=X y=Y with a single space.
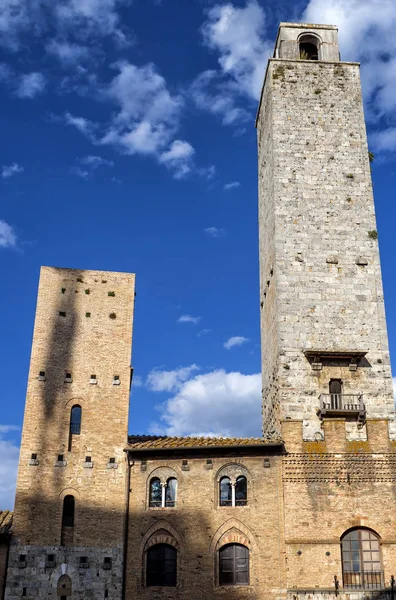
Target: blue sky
x=128 y=144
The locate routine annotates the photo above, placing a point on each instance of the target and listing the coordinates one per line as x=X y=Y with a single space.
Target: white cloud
x=188 y=319
x=10 y=170
x=88 y=164
x=30 y=85
x=167 y=381
x=236 y=34
x=216 y=94
x=232 y=185
x=203 y=332
x=8 y=238
x=9 y=455
x=96 y=161
x=82 y=125
x=178 y=157
x=366 y=34
x=68 y=18
x=68 y=53
x=215 y=232
x=237 y=340
x=146 y=121
x=214 y=403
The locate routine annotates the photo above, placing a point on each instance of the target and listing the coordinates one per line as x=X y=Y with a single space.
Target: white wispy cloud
x=146 y=120
x=10 y=170
x=236 y=340
x=203 y=332
x=215 y=232
x=8 y=237
x=70 y=20
x=213 y=403
x=188 y=319
x=9 y=456
x=68 y=53
x=232 y=185
x=159 y=380
x=178 y=158
x=88 y=164
x=30 y=85
x=237 y=35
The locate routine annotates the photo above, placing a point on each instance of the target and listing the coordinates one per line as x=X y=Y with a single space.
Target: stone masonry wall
x=327 y=270
x=198 y=527
x=268 y=296
x=83 y=326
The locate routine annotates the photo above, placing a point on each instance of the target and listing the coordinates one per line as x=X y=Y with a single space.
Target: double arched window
x=361 y=560
x=161 y=567
x=234 y=565
x=233 y=493
x=163 y=495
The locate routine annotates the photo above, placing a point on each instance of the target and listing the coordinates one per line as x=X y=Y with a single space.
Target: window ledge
x=60 y=463
x=33 y=462
x=88 y=465
x=161 y=508
x=112 y=466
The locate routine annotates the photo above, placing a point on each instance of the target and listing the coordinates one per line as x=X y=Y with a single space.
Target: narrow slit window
x=67 y=532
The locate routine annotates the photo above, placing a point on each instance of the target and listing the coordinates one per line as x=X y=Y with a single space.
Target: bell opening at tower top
x=309 y=47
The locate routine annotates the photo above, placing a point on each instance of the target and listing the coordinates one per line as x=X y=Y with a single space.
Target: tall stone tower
x=70 y=500
x=324 y=339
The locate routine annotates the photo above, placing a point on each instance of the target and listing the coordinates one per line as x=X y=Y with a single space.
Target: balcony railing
x=367 y=580
x=340 y=405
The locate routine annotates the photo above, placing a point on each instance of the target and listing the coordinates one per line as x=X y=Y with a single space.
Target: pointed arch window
x=161 y=569
x=361 y=560
x=68 y=511
x=234 y=565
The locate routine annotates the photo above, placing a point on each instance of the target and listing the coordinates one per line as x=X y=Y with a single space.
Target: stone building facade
x=307 y=512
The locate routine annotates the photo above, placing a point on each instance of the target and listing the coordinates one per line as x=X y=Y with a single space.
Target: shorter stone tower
x=324 y=340
x=70 y=500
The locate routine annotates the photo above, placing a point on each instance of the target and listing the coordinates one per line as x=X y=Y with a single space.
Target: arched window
x=170 y=492
x=361 y=560
x=241 y=491
x=64 y=587
x=225 y=492
x=75 y=423
x=234 y=565
x=67 y=521
x=75 y=420
x=161 y=567
x=309 y=47
x=155 y=492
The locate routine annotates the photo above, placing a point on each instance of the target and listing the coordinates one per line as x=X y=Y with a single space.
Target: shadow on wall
x=100 y=573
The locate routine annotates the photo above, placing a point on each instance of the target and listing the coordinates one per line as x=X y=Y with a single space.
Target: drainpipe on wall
x=126 y=525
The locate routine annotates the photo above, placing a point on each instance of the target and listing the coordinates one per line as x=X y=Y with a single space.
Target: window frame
x=164 y=502
x=162 y=573
x=235 y=570
x=352 y=578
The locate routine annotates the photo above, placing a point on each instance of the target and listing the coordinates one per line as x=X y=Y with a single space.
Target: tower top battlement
x=307 y=41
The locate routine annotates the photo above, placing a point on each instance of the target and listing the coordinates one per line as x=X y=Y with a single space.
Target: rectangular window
x=88 y=459
x=60 y=457
x=62 y=313
x=112 y=460
x=34 y=456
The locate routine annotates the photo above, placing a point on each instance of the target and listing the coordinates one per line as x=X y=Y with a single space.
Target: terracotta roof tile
x=6 y=521
x=150 y=442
